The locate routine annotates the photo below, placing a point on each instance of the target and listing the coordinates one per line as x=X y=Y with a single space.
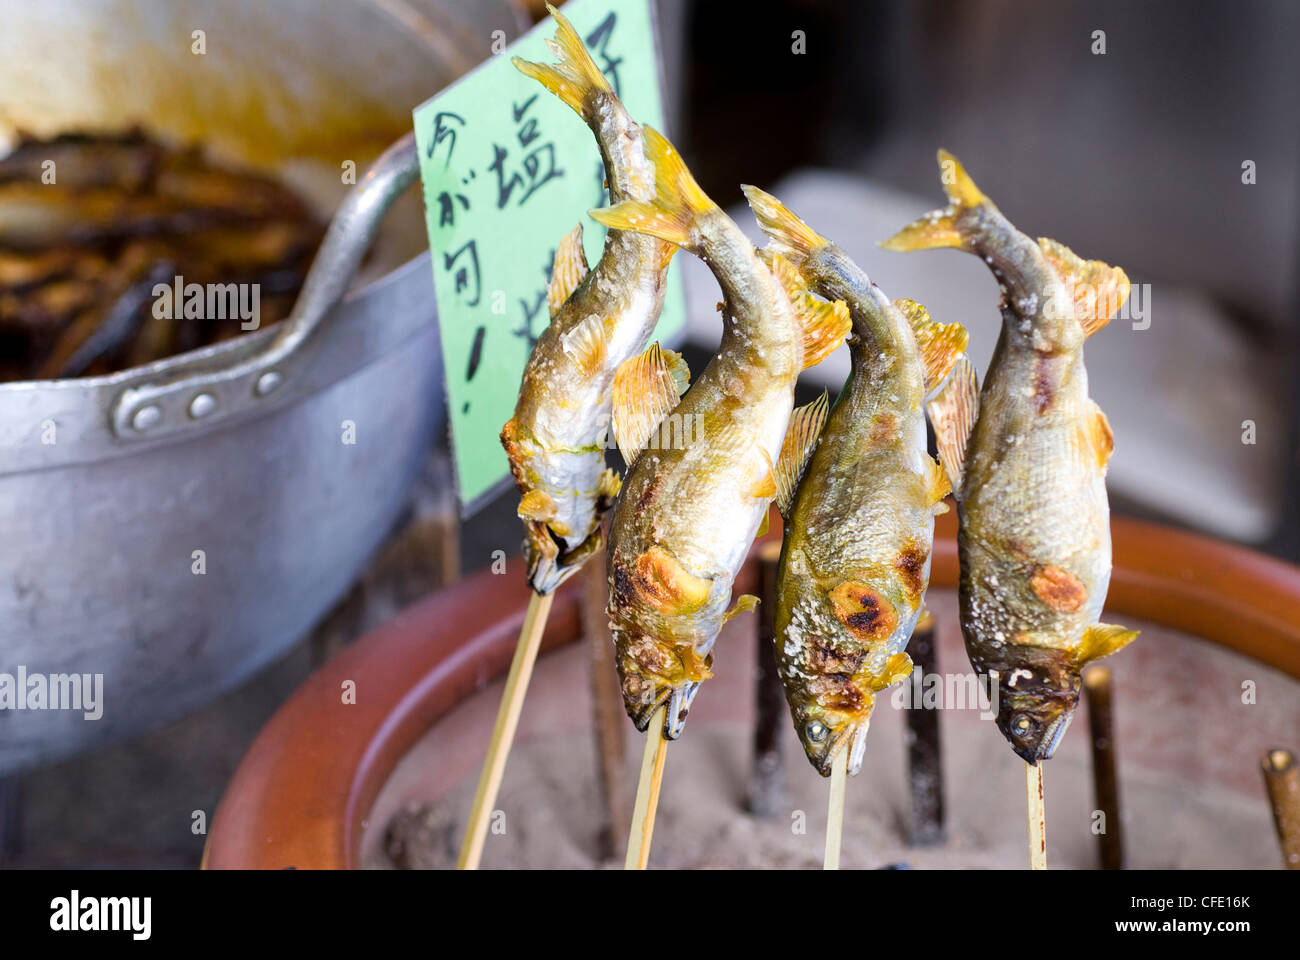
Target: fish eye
x=1022 y=724
x=816 y=731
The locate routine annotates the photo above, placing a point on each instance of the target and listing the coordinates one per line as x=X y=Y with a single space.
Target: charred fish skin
x=1027 y=457
x=855 y=561
x=690 y=508
x=599 y=318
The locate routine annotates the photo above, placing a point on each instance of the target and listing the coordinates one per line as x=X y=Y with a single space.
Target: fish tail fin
x=576 y=77
x=942 y=228
x=1099 y=290
x=790 y=236
x=678 y=203
x=825 y=323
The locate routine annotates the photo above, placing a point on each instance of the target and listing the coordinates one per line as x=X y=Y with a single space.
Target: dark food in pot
x=80 y=256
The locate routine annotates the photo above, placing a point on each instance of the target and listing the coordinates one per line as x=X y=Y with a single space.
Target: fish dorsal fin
x=1098 y=289
x=1101 y=640
x=800 y=439
x=790 y=236
x=586 y=345
x=568 y=271
x=937 y=486
x=953 y=412
x=825 y=323
x=897 y=667
x=744 y=603
x=646 y=389
x=940 y=343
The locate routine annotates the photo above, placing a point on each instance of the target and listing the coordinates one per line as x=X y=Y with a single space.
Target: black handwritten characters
x=600 y=318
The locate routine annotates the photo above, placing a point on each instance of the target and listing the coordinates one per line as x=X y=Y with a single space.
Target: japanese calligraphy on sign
x=507 y=170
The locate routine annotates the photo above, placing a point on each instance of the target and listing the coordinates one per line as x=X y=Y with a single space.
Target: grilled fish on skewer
x=690 y=507
x=1027 y=460
x=856 y=558
x=599 y=318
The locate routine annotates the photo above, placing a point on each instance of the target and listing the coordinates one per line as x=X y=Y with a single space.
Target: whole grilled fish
x=1027 y=460
x=694 y=500
x=855 y=562
x=599 y=319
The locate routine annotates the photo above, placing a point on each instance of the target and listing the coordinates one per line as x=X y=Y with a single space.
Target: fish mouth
x=547 y=575
x=1048 y=742
x=854 y=739
x=678 y=701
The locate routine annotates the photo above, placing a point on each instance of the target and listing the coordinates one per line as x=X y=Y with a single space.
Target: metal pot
x=110 y=486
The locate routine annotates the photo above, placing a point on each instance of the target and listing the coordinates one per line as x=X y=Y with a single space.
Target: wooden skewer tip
x=647 y=793
x=835 y=808
x=1037 y=816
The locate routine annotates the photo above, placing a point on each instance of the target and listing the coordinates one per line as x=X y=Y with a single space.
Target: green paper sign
x=507 y=171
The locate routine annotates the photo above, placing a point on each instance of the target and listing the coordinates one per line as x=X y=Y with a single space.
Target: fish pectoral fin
x=1101 y=640
x=608 y=486
x=1100 y=436
x=824 y=323
x=790 y=236
x=537 y=505
x=1099 y=289
x=646 y=389
x=806 y=424
x=678 y=203
x=764 y=487
x=898 y=667
x=940 y=228
x=953 y=411
x=586 y=345
x=744 y=603
x=765 y=525
x=568 y=271
x=940 y=344
x=576 y=77
x=937 y=486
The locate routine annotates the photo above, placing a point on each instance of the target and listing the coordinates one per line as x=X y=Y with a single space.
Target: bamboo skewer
x=647 y=794
x=503 y=734
x=1282 y=779
x=1037 y=816
x=835 y=809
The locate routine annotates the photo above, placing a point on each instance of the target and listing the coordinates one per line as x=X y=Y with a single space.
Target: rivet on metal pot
x=146 y=418
x=202 y=405
x=268 y=382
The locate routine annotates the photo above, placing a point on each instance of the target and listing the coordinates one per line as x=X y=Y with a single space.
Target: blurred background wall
x=1134 y=156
